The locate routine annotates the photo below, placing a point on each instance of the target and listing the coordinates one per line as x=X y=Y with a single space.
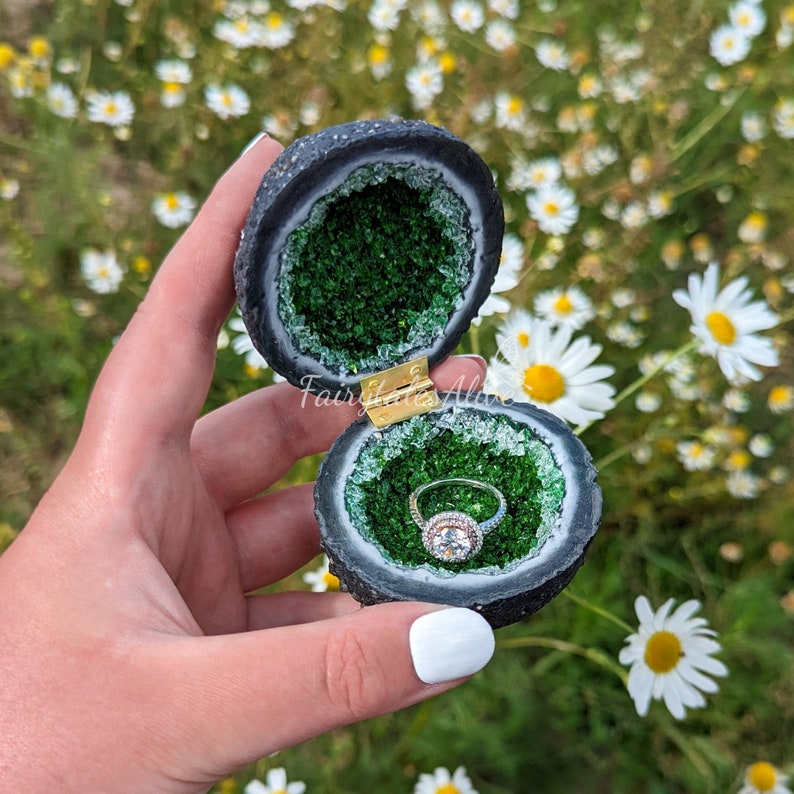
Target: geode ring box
x=368 y=250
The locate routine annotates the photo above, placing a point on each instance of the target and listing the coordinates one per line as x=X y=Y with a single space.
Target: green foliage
x=652 y=135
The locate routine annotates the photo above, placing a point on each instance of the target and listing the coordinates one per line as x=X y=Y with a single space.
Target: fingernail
x=253 y=142
x=479 y=359
x=450 y=643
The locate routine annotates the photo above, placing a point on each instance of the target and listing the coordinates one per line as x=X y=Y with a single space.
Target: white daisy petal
x=725 y=323
x=669 y=658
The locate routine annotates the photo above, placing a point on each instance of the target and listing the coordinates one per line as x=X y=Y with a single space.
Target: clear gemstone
x=451 y=543
x=452 y=536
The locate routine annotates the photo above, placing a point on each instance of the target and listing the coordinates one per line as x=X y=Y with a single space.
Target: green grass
x=550 y=713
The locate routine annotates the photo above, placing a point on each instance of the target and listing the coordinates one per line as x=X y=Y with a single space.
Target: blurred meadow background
x=634 y=145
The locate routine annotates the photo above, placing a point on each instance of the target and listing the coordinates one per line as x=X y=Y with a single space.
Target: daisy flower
x=174 y=209
x=9 y=188
x=275 y=783
x=172 y=95
x=174 y=71
x=240 y=33
x=467 y=15
x=728 y=45
x=275 y=32
x=753 y=126
x=648 y=402
x=101 y=270
x=761 y=445
x=762 y=778
x=780 y=399
x=515 y=332
x=783 y=118
x=695 y=455
x=552 y=55
x=748 y=17
x=441 y=782
x=380 y=63
x=511 y=261
x=753 y=228
x=544 y=172
x=500 y=35
x=670 y=658
x=554 y=373
x=229 y=101
x=384 y=15
x=726 y=322
x=743 y=484
x=321 y=579
x=510 y=112
x=425 y=83
x=114 y=109
x=554 y=208
x=505 y=8
x=243 y=346
x=61 y=100
x=565 y=306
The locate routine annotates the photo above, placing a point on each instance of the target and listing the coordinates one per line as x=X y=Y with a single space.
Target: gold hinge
x=399 y=393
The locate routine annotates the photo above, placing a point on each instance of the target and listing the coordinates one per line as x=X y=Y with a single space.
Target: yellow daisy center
x=141 y=264
x=780 y=395
x=563 y=304
x=543 y=383
x=738 y=460
x=515 y=106
x=7 y=55
x=378 y=54
x=448 y=788
x=762 y=775
x=171 y=201
x=662 y=651
x=551 y=208
x=39 y=47
x=447 y=62
x=331 y=582
x=757 y=220
x=274 y=20
x=721 y=327
x=523 y=338
x=110 y=108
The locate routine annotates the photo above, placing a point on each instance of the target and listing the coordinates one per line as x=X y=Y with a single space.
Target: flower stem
x=641 y=381
x=708 y=123
x=595 y=655
x=582 y=602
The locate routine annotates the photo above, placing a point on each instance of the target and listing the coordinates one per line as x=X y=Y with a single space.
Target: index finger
x=156 y=379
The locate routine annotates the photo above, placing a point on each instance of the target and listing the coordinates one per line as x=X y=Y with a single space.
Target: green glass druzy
x=377 y=268
x=456 y=443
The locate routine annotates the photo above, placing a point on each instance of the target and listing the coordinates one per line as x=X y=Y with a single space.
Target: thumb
x=266 y=690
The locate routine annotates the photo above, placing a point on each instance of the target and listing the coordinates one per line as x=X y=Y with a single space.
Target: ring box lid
x=368 y=245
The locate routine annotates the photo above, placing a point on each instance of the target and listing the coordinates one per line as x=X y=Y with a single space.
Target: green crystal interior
x=377 y=269
x=455 y=442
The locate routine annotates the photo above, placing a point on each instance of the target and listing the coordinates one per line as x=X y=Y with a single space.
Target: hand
x=131 y=657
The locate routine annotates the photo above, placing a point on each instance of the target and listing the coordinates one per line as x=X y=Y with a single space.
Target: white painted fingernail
x=450 y=643
x=253 y=142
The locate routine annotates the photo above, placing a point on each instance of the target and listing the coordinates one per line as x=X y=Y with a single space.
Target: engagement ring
x=453 y=536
